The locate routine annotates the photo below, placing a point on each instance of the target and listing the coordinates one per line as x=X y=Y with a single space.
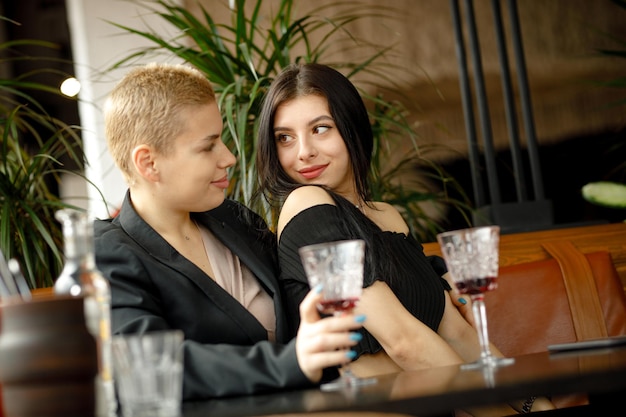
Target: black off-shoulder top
x=418 y=284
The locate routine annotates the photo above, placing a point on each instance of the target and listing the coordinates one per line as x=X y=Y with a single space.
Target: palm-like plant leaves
x=242 y=58
x=28 y=229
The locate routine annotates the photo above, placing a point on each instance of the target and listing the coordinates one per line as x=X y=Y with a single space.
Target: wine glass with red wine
x=472 y=259
x=338 y=267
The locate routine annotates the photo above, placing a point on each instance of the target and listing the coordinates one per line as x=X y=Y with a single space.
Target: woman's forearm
x=408 y=342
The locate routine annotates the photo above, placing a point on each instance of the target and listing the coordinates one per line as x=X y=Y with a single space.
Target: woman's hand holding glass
x=338 y=267
x=324 y=343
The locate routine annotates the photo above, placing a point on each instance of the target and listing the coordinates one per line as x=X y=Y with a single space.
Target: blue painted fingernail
x=318 y=288
x=360 y=318
x=462 y=300
x=357 y=337
x=351 y=354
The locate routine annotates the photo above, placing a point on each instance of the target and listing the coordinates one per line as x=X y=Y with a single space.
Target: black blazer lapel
x=163 y=252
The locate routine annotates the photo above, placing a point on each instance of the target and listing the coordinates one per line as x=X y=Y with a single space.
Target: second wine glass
x=338 y=267
x=471 y=256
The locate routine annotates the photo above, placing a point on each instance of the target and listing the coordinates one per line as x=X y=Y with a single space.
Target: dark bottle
x=81 y=277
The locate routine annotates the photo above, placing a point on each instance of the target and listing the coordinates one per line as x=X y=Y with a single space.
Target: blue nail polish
x=360 y=318
x=351 y=354
x=357 y=337
x=462 y=300
x=318 y=288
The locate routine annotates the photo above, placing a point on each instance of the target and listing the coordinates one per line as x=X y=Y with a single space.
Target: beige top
x=239 y=282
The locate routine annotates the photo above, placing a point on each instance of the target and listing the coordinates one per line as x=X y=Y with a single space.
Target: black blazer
x=153 y=287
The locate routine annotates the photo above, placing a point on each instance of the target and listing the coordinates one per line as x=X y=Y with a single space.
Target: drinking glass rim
x=469 y=230
x=330 y=243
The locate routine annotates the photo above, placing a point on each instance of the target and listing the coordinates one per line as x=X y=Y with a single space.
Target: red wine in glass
x=472 y=259
x=475 y=286
x=337 y=306
x=338 y=267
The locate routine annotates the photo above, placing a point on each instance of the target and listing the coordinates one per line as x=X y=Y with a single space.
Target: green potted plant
x=32 y=145
x=242 y=58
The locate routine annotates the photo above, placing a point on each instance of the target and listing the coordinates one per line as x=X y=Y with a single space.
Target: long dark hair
x=351 y=118
x=346 y=108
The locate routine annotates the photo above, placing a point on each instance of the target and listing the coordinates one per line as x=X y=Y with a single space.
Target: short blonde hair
x=145 y=108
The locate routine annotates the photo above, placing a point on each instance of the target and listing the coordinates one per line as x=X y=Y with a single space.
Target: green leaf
x=605 y=193
x=33 y=144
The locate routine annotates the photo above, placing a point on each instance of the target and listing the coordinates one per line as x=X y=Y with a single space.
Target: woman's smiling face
x=310 y=147
x=194 y=176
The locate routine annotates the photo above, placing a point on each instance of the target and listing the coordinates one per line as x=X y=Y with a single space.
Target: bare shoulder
x=301 y=199
x=384 y=207
x=387 y=217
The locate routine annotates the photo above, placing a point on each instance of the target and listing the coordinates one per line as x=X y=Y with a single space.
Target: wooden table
x=437 y=391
